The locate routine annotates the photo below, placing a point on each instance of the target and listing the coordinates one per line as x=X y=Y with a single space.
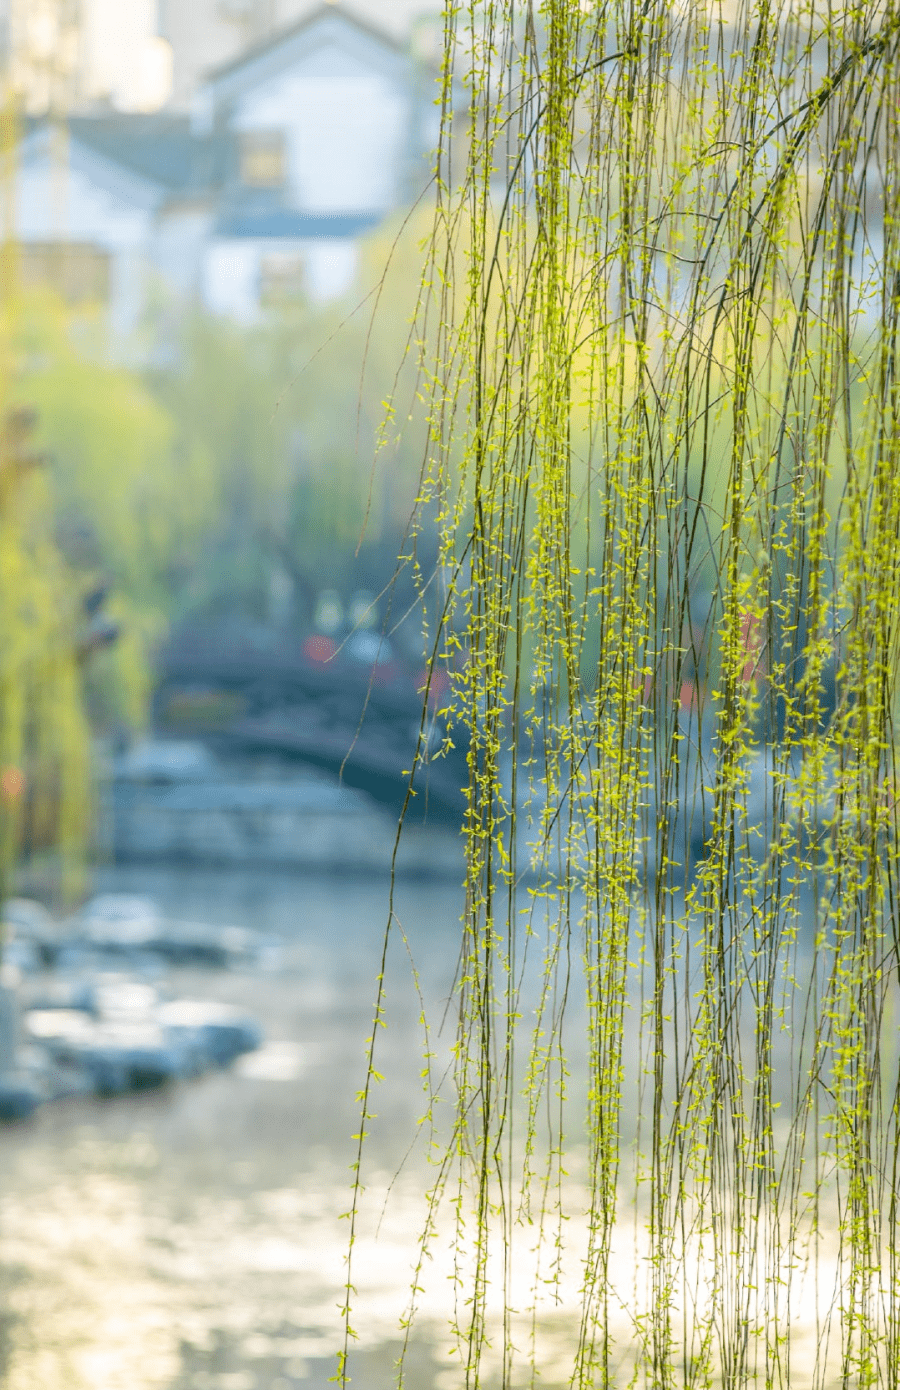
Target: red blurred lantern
x=318 y=648
x=12 y=783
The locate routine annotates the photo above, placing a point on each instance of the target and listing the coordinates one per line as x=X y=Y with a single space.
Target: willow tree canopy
x=659 y=350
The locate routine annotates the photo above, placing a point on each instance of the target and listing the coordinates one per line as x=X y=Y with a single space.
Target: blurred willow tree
x=660 y=325
x=128 y=506
x=96 y=500
x=44 y=774
x=176 y=491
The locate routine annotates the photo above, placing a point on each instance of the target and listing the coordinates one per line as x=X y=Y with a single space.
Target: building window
x=320 y=269
x=262 y=159
x=282 y=278
x=78 y=272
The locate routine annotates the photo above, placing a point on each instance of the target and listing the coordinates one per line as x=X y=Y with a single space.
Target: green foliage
x=288 y=415
x=116 y=480
x=129 y=506
x=659 y=327
x=180 y=490
x=44 y=750
x=106 y=503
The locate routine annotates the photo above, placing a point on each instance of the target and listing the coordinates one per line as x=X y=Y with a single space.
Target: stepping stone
x=223 y=1031
x=19 y=1098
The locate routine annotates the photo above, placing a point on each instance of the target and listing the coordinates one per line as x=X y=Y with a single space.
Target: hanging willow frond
x=659 y=329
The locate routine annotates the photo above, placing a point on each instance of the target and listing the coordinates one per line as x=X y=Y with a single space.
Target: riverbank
x=89 y=1005
x=171 y=802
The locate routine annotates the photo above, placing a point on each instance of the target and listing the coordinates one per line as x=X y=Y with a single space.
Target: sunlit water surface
x=191 y=1237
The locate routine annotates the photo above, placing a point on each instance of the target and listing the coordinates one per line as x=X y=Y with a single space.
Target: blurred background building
x=194 y=200
x=223 y=154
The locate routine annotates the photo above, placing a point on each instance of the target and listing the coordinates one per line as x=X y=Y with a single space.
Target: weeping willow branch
x=659 y=341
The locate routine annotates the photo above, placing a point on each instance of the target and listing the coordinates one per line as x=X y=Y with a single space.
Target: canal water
x=191 y=1237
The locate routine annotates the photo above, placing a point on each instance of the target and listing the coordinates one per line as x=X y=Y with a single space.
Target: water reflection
x=191 y=1237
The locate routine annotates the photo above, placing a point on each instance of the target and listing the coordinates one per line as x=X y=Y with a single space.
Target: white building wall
x=179 y=249
x=129 y=280
x=85 y=201
x=67 y=204
x=234 y=268
x=330 y=265
x=230 y=278
x=345 y=128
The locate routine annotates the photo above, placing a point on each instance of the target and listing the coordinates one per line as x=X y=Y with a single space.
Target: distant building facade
x=86 y=220
x=326 y=127
x=288 y=154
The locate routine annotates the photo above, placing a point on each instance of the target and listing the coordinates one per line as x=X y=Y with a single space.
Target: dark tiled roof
x=164 y=150
x=156 y=148
x=159 y=147
x=282 y=222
